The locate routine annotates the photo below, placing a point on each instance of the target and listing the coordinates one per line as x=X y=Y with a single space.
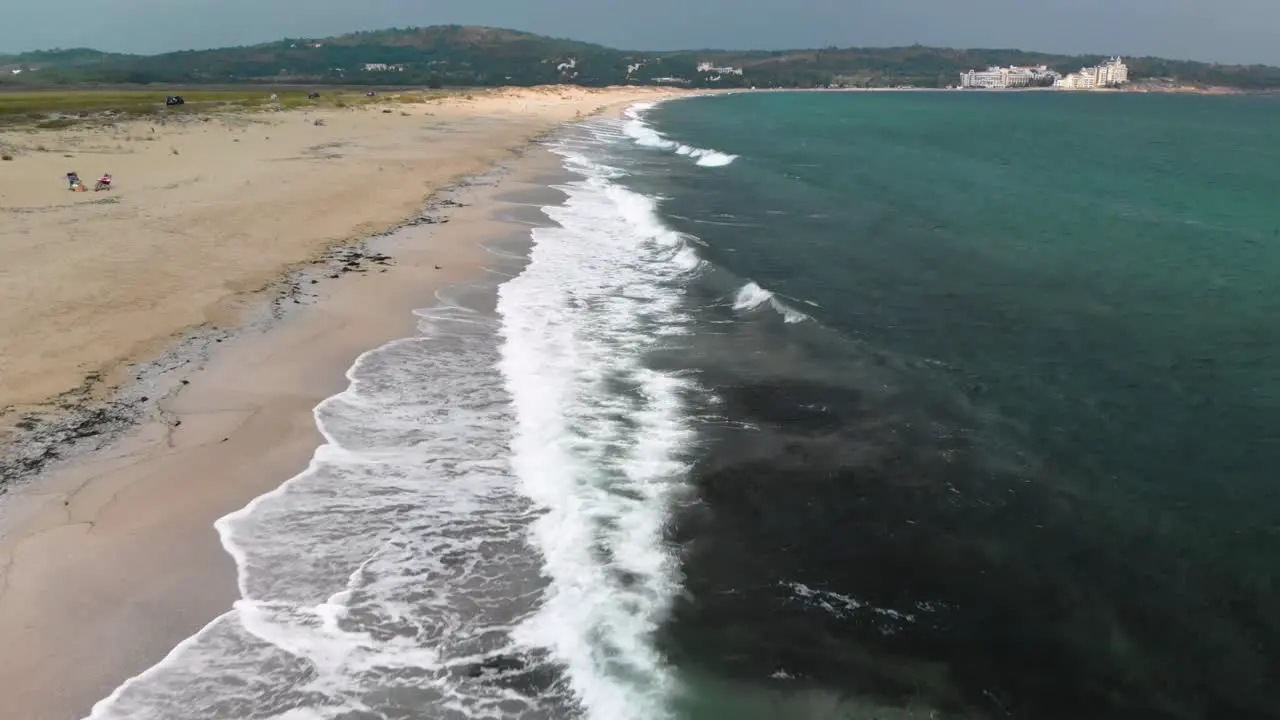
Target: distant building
x=382 y=67
x=1014 y=76
x=1112 y=73
x=706 y=67
x=1084 y=80
x=1117 y=72
x=989 y=78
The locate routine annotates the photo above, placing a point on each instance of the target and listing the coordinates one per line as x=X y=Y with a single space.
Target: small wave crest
x=645 y=135
x=706 y=158
x=751 y=296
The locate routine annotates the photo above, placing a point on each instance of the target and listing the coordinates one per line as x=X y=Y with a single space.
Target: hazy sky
x=1218 y=30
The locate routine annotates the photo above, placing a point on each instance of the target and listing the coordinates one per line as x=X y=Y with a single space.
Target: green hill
x=459 y=55
x=74 y=57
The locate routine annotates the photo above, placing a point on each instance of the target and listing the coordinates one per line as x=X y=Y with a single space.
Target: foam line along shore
x=111 y=559
x=484 y=522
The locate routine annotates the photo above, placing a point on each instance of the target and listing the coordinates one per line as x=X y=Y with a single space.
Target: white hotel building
x=1109 y=74
x=1005 y=77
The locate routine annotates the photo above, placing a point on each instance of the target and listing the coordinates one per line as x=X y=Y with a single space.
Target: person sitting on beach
x=73 y=180
x=104 y=182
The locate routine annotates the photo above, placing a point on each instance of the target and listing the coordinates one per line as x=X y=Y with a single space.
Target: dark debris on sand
x=42 y=436
x=95 y=413
x=333 y=264
x=356 y=257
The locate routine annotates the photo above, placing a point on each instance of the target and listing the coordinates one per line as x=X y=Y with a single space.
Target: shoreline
x=108 y=557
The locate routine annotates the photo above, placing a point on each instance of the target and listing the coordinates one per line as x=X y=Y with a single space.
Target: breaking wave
x=643 y=134
x=752 y=296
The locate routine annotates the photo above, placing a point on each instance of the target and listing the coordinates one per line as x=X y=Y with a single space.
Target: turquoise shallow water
x=1039 y=393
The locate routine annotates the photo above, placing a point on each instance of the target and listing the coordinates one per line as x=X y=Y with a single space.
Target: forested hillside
x=458 y=55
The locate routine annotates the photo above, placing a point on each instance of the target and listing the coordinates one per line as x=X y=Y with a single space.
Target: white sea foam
x=377 y=578
x=377 y=582
x=643 y=134
x=600 y=436
x=752 y=296
x=706 y=158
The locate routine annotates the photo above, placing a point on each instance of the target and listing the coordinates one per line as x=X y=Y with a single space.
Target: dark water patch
x=885 y=554
x=526 y=675
x=867 y=528
x=707 y=697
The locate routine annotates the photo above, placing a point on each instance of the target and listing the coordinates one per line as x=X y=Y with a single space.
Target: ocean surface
x=806 y=405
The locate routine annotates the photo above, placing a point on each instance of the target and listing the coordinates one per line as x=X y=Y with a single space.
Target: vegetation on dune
x=52 y=109
x=477 y=56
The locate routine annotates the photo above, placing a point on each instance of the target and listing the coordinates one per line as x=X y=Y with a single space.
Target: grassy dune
x=53 y=109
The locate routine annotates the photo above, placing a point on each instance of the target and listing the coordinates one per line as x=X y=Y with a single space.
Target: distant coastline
x=1138 y=89
x=463 y=56
x=1159 y=85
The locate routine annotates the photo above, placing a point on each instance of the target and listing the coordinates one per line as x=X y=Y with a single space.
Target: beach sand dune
x=110 y=559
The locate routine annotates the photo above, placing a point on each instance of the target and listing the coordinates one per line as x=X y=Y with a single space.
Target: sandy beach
x=162 y=345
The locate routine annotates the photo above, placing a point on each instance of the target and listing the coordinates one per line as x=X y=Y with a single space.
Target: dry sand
x=108 y=561
x=205 y=213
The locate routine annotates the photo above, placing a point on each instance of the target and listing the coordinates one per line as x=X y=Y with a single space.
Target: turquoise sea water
x=1039 y=393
